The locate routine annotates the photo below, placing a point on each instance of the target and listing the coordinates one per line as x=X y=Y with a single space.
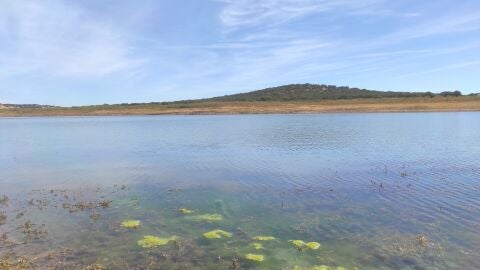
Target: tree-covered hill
x=312 y=92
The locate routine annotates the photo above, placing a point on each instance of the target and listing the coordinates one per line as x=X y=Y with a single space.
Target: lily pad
x=255 y=257
x=217 y=234
x=131 y=224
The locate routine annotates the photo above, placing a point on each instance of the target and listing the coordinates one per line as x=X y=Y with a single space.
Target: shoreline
x=381 y=105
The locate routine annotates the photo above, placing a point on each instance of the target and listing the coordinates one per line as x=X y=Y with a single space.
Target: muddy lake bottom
x=332 y=191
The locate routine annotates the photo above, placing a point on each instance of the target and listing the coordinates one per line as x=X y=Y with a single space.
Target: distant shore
x=424 y=104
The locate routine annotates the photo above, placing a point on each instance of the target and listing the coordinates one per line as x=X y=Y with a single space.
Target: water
x=377 y=191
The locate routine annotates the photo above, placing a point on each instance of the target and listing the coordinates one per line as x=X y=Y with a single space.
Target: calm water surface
x=377 y=191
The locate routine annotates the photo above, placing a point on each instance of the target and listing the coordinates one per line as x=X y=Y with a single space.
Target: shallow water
x=377 y=191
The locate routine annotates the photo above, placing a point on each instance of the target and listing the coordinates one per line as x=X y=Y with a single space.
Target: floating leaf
x=131 y=224
x=254 y=257
x=217 y=234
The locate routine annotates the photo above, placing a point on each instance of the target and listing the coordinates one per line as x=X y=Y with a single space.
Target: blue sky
x=112 y=51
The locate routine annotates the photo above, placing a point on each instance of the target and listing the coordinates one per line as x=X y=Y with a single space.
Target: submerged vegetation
x=4 y=200
x=150 y=241
x=131 y=224
x=237 y=244
x=206 y=217
x=217 y=234
x=185 y=211
x=301 y=245
x=263 y=238
x=257 y=245
x=255 y=257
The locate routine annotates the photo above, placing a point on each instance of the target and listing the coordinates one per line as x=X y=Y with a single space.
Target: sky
x=64 y=52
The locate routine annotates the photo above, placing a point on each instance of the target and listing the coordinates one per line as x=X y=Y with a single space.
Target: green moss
x=150 y=241
x=185 y=211
x=301 y=244
x=254 y=257
x=207 y=217
x=263 y=238
x=257 y=246
x=217 y=234
x=131 y=224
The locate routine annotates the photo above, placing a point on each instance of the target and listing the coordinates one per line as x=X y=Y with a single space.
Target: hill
x=316 y=92
x=294 y=98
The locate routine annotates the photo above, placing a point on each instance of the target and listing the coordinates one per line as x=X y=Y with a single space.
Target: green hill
x=315 y=92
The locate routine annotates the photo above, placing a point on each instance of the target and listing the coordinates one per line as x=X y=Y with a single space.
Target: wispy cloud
x=59 y=38
x=151 y=51
x=256 y=12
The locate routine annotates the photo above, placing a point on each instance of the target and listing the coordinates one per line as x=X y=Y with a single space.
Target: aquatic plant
x=20 y=264
x=300 y=245
x=263 y=238
x=95 y=266
x=235 y=263
x=150 y=241
x=185 y=211
x=3 y=217
x=94 y=215
x=254 y=257
x=206 y=217
x=422 y=240
x=104 y=204
x=319 y=267
x=312 y=245
x=4 y=200
x=33 y=231
x=217 y=234
x=131 y=224
x=257 y=246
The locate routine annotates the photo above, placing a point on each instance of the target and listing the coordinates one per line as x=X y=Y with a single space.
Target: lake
x=361 y=191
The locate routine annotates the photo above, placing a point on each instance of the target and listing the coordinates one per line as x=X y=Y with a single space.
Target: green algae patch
x=257 y=245
x=150 y=241
x=312 y=245
x=217 y=234
x=319 y=267
x=131 y=224
x=207 y=217
x=255 y=257
x=299 y=244
x=185 y=211
x=263 y=238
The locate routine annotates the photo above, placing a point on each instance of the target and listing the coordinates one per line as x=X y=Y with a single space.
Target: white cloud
x=59 y=38
x=260 y=12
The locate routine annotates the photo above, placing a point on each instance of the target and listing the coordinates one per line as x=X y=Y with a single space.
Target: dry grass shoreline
x=437 y=104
